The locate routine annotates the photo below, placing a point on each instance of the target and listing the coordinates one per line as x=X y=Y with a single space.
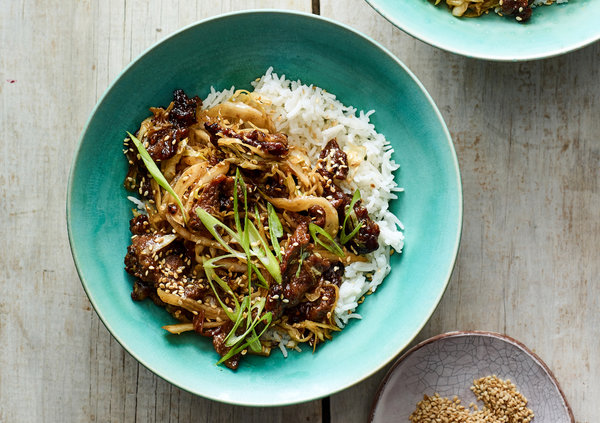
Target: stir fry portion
x=238 y=235
x=520 y=10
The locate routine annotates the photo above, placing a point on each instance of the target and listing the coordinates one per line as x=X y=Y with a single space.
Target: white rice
x=311 y=116
x=141 y=207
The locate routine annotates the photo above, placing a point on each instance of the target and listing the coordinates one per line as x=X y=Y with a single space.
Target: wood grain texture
x=57 y=360
x=528 y=143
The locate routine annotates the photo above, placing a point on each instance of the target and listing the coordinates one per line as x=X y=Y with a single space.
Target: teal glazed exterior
x=551 y=31
x=235 y=49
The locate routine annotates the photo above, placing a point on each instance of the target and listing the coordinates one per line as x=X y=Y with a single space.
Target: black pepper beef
x=300 y=272
x=161 y=140
x=273 y=144
x=520 y=9
x=168 y=268
x=170 y=128
x=333 y=165
x=333 y=162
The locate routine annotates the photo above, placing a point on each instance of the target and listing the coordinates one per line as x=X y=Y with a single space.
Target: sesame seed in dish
x=502 y=403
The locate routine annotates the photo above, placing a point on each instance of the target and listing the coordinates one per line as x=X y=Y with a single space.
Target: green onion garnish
x=248 y=236
x=264 y=253
x=303 y=256
x=275 y=229
x=156 y=173
x=211 y=223
x=330 y=246
x=267 y=318
x=211 y=275
x=233 y=339
x=344 y=237
x=236 y=342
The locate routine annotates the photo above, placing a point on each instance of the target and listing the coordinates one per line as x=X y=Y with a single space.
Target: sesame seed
x=502 y=402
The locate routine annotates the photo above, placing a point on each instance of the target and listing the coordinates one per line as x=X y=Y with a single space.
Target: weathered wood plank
x=527 y=141
x=57 y=361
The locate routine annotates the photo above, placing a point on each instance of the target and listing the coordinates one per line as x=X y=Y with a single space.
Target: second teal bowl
x=552 y=30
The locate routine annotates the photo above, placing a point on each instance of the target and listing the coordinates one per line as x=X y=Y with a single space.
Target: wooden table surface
x=527 y=139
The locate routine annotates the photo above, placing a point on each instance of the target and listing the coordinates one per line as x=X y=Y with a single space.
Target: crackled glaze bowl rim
x=457 y=334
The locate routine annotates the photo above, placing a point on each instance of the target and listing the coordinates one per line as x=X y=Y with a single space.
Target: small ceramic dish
x=552 y=30
x=447 y=364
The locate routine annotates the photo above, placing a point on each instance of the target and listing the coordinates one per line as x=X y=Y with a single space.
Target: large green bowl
x=552 y=30
x=235 y=49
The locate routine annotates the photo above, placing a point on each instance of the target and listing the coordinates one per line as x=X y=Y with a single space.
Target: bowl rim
x=456 y=334
x=434 y=42
x=447 y=140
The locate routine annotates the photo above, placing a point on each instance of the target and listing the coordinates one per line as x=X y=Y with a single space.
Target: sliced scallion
x=275 y=229
x=345 y=237
x=156 y=173
x=267 y=318
x=211 y=223
x=259 y=306
x=263 y=252
x=211 y=275
x=330 y=245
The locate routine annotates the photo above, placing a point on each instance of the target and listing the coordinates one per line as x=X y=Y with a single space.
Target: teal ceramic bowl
x=552 y=30
x=233 y=50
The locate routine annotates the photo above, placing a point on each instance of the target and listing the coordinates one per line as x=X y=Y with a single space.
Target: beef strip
x=217 y=198
x=317 y=310
x=183 y=113
x=301 y=272
x=520 y=9
x=138 y=179
x=367 y=238
x=219 y=336
x=274 y=144
x=333 y=274
x=333 y=162
x=139 y=225
x=317 y=215
x=273 y=185
x=161 y=140
x=314 y=310
x=296 y=277
x=169 y=128
x=142 y=262
x=168 y=266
